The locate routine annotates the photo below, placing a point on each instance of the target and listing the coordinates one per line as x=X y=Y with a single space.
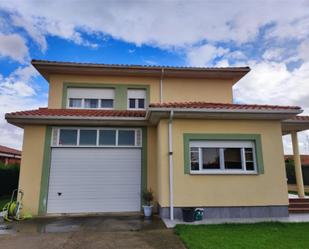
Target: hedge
x=9 y=175
x=290 y=172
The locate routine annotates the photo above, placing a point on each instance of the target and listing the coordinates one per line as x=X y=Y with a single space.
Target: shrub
x=9 y=175
x=148 y=197
x=290 y=171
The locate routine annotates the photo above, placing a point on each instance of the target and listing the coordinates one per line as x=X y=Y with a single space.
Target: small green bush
x=290 y=171
x=148 y=197
x=9 y=175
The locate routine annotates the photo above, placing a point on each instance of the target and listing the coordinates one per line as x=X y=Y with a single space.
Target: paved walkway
x=294 y=196
x=106 y=232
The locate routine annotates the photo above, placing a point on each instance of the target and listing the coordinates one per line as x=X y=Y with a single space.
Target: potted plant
x=148 y=198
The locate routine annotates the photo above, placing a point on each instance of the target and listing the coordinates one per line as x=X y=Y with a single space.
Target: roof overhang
x=2 y=154
x=21 y=121
x=46 y=68
x=291 y=125
x=155 y=114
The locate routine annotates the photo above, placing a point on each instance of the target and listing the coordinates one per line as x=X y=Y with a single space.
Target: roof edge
x=45 y=68
x=35 y=62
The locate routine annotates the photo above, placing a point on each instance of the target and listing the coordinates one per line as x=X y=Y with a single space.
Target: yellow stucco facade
x=269 y=188
x=264 y=189
x=174 y=89
x=31 y=167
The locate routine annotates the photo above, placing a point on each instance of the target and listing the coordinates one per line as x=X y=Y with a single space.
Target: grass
x=4 y=200
x=272 y=235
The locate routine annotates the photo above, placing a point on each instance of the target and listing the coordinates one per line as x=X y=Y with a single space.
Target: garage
x=94 y=179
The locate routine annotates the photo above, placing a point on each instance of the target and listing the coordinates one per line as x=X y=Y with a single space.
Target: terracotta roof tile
x=4 y=149
x=79 y=113
x=142 y=114
x=206 y=105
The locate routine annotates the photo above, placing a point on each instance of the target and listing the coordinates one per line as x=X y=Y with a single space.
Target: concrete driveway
x=90 y=232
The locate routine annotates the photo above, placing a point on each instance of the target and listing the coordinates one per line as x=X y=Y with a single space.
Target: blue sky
x=272 y=37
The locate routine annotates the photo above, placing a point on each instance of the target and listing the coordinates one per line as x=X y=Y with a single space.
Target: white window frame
x=97 y=108
x=136 y=99
x=85 y=96
x=56 y=132
x=221 y=145
x=72 y=107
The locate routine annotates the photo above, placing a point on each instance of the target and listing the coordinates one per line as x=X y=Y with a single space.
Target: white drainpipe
x=161 y=86
x=170 y=153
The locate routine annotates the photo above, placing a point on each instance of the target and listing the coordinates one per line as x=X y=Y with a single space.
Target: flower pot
x=188 y=214
x=147 y=211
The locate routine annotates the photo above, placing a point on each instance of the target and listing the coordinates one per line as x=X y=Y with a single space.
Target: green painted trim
x=45 y=172
x=121 y=102
x=121 y=98
x=256 y=138
x=144 y=162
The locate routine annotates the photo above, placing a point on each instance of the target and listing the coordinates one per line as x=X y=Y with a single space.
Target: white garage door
x=94 y=180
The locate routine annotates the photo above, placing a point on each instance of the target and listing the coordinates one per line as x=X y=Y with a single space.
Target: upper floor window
x=91 y=103
x=91 y=98
x=75 y=102
x=222 y=157
x=136 y=99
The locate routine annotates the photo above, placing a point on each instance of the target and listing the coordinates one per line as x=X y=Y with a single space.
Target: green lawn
x=4 y=200
x=273 y=235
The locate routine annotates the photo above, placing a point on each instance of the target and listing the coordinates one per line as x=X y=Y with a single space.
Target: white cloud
x=303 y=50
x=272 y=83
x=17 y=83
x=207 y=33
x=38 y=27
x=204 y=55
x=151 y=62
x=295 y=28
x=25 y=73
x=161 y=23
x=222 y=63
x=238 y=55
x=273 y=54
x=17 y=92
x=17 y=88
x=33 y=31
x=14 y=47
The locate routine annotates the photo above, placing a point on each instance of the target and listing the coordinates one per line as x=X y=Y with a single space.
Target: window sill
x=136 y=109
x=97 y=108
x=95 y=146
x=227 y=172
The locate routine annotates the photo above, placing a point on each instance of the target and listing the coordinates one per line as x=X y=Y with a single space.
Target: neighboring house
x=9 y=155
x=112 y=131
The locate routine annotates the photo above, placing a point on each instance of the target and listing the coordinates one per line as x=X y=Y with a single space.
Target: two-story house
x=112 y=131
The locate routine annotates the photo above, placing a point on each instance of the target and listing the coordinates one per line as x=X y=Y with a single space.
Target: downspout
x=161 y=86
x=170 y=154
